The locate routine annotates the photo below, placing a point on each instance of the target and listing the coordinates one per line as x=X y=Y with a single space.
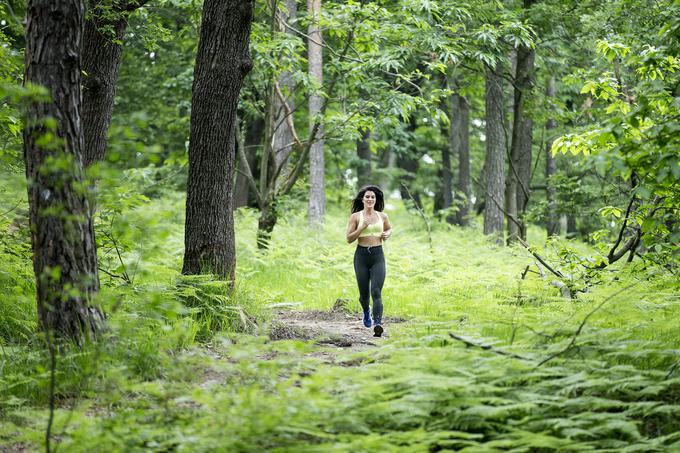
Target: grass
x=187 y=365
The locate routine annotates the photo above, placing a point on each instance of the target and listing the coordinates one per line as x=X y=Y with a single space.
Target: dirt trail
x=336 y=327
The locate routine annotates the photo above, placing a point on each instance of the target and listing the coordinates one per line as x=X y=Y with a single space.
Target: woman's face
x=369 y=199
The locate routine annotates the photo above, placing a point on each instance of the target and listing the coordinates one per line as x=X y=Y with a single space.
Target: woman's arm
x=387 y=227
x=353 y=230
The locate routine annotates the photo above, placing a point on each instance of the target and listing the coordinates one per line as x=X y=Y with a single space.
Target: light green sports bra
x=373 y=229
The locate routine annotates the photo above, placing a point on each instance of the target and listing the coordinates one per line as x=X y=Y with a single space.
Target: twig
x=672 y=370
x=541 y=260
x=525 y=271
x=583 y=323
x=487 y=347
x=3 y=214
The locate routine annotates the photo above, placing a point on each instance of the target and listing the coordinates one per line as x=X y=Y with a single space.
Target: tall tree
x=64 y=250
x=222 y=61
x=102 y=55
x=495 y=154
x=552 y=218
x=522 y=134
x=453 y=146
x=464 y=176
x=317 y=191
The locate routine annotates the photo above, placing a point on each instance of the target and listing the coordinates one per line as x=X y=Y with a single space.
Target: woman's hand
x=387 y=228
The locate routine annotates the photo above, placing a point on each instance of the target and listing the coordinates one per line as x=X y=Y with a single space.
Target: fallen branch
x=555 y=272
x=572 y=343
x=487 y=347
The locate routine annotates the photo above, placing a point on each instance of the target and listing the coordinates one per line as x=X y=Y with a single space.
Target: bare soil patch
x=338 y=327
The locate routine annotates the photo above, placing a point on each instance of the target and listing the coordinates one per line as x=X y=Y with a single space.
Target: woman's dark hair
x=358 y=202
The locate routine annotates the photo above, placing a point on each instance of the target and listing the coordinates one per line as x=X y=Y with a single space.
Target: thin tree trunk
x=464 y=175
x=387 y=162
x=102 y=55
x=282 y=141
x=495 y=154
x=62 y=235
x=453 y=148
x=222 y=62
x=519 y=174
x=251 y=141
x=552 y=219
x=408 y=163
x=317 y=190
x=266 y=224
x=364 y=156
x=572 y=231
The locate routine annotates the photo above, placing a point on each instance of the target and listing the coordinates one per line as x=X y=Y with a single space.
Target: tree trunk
x=464 y=175
x=364 y=156
x=62 y=235
x=317 y=191
x=519 y=175
x=454 y=147
x=552 y=218
x=495 y=154
x=282 y=140
x=102 y=55
x=266 y=224
x=572 y=231
x=222 y=62
x=251 y=141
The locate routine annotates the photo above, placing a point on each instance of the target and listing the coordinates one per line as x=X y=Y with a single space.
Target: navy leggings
x=369 y=267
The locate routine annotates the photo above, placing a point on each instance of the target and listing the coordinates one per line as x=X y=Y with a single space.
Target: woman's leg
x=377 y=280
x=362 y=274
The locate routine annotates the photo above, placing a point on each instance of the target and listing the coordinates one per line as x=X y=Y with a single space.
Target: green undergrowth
x=186 y=364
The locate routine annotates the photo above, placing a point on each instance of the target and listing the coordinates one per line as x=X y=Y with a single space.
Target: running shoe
x=367 y=319
x=377 y=330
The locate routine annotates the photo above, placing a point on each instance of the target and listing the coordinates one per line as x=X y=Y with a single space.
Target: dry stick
x=525 y=271
x=541 y=260
x=422 y=214
x=3 y=214
x=489 y=348
x=583 y=323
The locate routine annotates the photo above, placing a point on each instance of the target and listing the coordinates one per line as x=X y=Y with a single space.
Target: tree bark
x=464 y=175
x=102 y=56
x=317 y=190
x=364 y=156
x=552 y=218
x=62 y=235
x=222 y=62
x=495 y=154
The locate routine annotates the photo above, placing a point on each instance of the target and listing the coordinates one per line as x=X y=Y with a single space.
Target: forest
x=177 y=268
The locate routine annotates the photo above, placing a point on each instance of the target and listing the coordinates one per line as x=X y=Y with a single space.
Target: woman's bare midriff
x=369 y=241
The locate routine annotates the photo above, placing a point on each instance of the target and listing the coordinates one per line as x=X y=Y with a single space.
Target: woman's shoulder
x=383 y=215
x=355 y=215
